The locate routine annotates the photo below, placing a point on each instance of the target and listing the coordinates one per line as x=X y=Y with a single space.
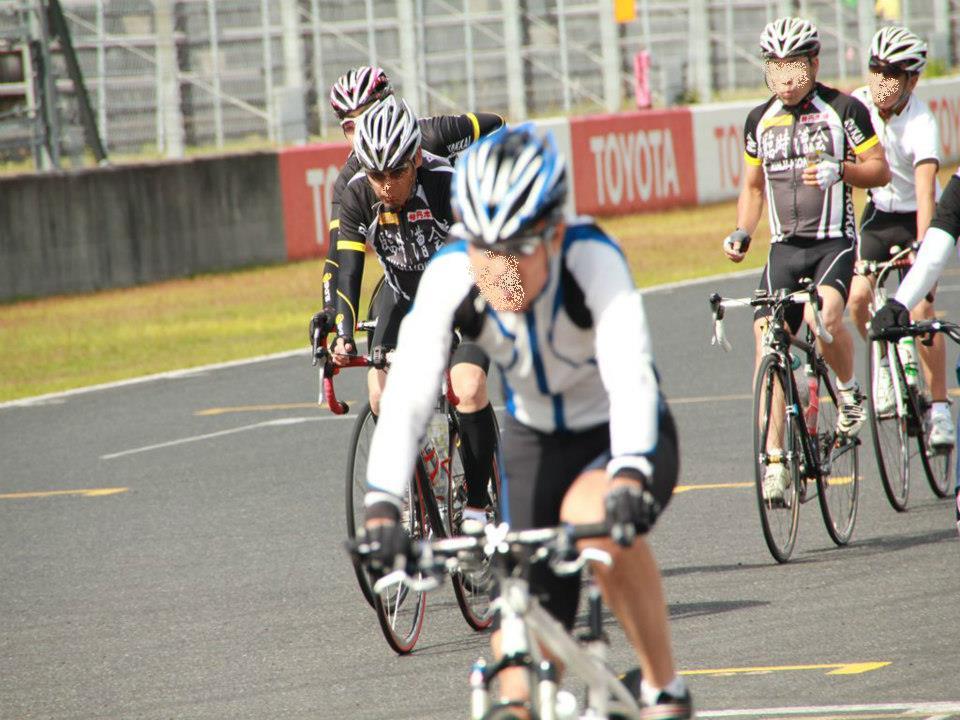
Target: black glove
x=388 y=540
x=631 y=509
x=323 y=321
x=737 y=237
x=893 y=314
x=349 y=346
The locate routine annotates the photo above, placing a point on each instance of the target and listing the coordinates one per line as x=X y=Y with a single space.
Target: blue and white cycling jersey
x=560 y=373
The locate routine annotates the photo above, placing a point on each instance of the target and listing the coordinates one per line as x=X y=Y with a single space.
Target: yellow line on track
x=97 y=492
x=255 y=408
x=834 y=668
x=712 y=486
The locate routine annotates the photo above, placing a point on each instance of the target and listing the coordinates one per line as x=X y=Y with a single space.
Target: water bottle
x=479 y=694
x=907 y=350
x=813 y=400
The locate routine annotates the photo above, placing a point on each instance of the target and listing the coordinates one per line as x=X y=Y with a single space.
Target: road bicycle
x=795 y=424
x=432 y=506
x=526 y=625
x=900 y=402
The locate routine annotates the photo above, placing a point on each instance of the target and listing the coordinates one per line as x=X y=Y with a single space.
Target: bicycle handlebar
x=898 y=259
x=923 y=327
x=809 y=295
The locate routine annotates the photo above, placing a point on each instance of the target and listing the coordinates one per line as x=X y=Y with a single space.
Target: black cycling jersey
x=780 y=138
x=403 y=239
x=947 y=215
x=444 y=135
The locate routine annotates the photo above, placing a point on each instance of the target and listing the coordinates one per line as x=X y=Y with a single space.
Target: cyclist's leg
x=833 y=271
x=632 y=586
x=934 y=357
x=389 y=311
x=468 y=376
x=870 y=246
x=537 y=471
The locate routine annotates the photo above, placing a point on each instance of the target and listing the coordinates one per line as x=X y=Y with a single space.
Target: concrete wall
x=120 y=226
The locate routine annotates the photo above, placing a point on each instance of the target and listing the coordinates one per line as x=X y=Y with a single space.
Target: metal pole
x=173 y=140
x=513 y=60
x=941 y=34
x=101 y=72
x=698 y=71
x=468 y=48
x=406 y=26
x=422 y=57
x=371 y=34
x=564 y=53
x=841 y=38
x=905 y=12
x=215 y=58
x=318 y=65
x=50 y=114
x=610 y=53
x=268 y=68
x=731 y=49
x=868 y=26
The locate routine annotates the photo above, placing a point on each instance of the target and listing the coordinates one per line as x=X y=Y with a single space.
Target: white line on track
x=57 y=397
x=220 y=433
x=921 y=708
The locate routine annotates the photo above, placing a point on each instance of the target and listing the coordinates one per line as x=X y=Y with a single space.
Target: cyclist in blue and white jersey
x=900 y=212
x=805 y=148
x=587 y=434
x=938 y=242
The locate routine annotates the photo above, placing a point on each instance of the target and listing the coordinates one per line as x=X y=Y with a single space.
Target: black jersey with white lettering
x=444 y=135
x=403 y=239
x=780 y=138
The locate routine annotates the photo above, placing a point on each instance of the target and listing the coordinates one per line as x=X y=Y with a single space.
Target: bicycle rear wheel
x=400 y=610
x=890 y=428
x=779 y=519
x=356 y=487
x=838 y=481
x=472 y=587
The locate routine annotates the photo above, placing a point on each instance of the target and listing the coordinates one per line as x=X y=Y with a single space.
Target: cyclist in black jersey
x=400 y=206
x=351 y=96
x=805 y=148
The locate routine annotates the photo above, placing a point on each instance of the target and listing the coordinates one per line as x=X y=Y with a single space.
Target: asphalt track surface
x=172 y=549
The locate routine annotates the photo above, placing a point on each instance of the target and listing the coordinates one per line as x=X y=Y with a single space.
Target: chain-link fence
x=174 y=74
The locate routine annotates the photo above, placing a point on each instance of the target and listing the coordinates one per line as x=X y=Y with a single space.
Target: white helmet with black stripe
x=789 y=37
x=387 y=136
x=898 y=46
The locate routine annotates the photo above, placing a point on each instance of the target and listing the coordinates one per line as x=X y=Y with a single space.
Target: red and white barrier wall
x=619 y=164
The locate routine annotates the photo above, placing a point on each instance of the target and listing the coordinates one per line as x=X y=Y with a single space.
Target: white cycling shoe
x=775 y=481
x=850 y=415
x=942 y=433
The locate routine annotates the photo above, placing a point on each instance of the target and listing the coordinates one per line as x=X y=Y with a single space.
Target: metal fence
x=174 y=74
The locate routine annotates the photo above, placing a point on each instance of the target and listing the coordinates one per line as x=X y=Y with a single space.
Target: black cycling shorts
x=791 y=265
x=880 y=231
x=390 y=311
x=947 y=215
x=538 y=469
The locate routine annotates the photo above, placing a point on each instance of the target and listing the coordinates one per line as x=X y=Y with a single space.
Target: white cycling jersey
x=557 y=376
x=908 y=139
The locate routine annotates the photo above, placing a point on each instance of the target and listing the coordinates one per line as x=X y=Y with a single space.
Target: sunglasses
x=521 y=246
x=392 y=174
x=885 y=69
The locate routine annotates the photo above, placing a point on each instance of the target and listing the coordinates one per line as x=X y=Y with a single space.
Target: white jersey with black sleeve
x=559 y=372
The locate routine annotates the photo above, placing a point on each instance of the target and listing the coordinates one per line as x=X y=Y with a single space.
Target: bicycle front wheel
x=356 y=487
x=937 y=461
x=776 y=440
x=889 y=423
x=401 y=610
x=838 y=481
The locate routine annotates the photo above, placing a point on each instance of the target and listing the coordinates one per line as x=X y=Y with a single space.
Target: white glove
x=829 y=171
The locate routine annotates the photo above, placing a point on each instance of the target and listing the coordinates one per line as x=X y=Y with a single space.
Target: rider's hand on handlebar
x=344 y=348
x=736 y=244
x=322 y=322
x=823 y=174
x=892 y=314
x=631 y=507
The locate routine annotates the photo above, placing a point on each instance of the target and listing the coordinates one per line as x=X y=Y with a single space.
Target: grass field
x=66 y=342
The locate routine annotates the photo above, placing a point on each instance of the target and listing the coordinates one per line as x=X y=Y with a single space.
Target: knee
x=470 y=386
x=923 y=310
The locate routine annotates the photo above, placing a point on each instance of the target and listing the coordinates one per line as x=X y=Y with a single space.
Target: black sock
x=479 y=443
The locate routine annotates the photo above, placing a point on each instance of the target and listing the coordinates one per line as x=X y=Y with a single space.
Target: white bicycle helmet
x=357 y=88
x=507 y=185
x=898 y=46
x=387 y=135
x=789 y=37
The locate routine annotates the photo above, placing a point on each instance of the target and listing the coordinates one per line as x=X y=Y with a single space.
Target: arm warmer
x=931 y=259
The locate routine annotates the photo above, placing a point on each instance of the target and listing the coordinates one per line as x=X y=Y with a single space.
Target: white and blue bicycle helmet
x=508 y=186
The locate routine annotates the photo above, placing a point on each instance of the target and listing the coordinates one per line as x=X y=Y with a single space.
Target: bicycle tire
x=356 y=486
x=891 y=438
x=937 y=462
x=838 y=477
x=400 y=610
x=779 y=521
x=472 y=589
